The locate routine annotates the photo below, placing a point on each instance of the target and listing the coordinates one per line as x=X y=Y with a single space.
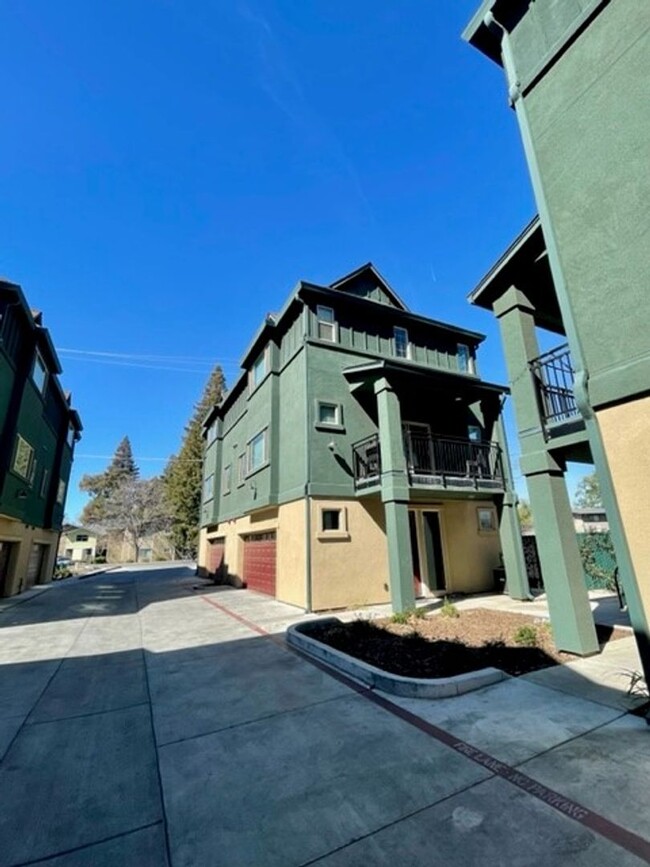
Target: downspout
x=581 y=380
x=308 y=582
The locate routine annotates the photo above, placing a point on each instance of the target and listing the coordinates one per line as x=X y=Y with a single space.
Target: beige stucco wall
x=70 y=543
x=25 y=537
x=625 y=430
x=288 y=521
x=349 y=568
x=470 y=554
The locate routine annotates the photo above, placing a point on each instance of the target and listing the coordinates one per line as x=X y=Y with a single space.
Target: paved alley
x=147 y=718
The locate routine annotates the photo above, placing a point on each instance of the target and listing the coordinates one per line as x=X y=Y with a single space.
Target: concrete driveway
x=147 y=719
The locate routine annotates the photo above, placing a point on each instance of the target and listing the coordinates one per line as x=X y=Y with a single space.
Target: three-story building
x=359 y=457
x=38 y=429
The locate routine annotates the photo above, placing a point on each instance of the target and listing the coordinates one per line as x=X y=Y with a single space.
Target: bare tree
x=138 y=508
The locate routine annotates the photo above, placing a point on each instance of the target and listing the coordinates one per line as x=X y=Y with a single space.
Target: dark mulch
x=441 y=646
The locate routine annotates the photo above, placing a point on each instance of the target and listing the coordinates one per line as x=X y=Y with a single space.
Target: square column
x=512 y=548
x=568 y=599
x=395 y=496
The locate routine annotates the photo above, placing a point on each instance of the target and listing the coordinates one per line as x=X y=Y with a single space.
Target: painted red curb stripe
x=594 y=821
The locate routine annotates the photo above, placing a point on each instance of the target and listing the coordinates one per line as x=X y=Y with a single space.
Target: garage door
x=216 y=549
x=35 y=564
x=259 y=563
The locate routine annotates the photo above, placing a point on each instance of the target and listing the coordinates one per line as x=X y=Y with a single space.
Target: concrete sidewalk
x=146 y=718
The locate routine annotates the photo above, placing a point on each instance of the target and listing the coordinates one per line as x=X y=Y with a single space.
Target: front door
x=5 y=553
x=433 y=550
x=415 y=552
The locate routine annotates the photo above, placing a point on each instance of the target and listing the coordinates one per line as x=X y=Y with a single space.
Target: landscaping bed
x=436 y=645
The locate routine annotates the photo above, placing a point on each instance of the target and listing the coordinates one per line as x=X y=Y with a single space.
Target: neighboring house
x=593 y=520
x=120 y=548
x=576 y=75
x=358 y=459
x=77 y=544
x=38 y=429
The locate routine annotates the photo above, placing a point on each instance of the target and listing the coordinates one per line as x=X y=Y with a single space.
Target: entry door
x=415 y=552
x=433 y=550
x=35 y=564
x=5 y=553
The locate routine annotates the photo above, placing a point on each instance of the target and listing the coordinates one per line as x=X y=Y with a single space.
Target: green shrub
x=419 y=613
x=448 y=608
x=526 y=636
x=400 y=617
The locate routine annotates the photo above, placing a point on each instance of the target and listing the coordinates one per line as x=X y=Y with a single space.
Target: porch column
x=512 y=548
x=566 y=591
x=395 y=496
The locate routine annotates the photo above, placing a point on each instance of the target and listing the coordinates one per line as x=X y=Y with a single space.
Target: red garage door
x=259 y=563
x=216 y=550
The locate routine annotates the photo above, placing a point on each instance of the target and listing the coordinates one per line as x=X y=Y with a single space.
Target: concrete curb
x=376 y=678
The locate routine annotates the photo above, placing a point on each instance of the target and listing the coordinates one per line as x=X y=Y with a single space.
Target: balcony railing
x=554 y=375
x=435 y=461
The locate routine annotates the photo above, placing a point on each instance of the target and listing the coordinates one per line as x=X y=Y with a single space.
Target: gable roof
x=368 y=270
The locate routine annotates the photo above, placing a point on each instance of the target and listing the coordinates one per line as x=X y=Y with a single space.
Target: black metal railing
x=366 y=460
x=434 y=460
x=553 y=373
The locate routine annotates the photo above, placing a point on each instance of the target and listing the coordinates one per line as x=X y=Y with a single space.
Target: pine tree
x=183 y=476
x=101 y=486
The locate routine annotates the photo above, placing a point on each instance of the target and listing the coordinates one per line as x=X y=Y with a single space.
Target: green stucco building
x=578 y=79
x=38 y=429
x=359 y=457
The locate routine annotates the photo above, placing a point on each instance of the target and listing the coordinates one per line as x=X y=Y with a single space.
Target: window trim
x=250 y=469
x=227 y=479
x=28 y=476
x=493 y=519
x=333 y=324
x=327 y=425
x=469 y=368
x=39 y=358
x=342 y=534
x=208 y=496
x=263 y=357
x=404 y=331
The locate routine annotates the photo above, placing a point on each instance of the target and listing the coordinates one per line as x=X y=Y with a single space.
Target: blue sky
x=170 y=169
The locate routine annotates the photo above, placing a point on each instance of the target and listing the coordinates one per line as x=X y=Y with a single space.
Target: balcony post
x=509 y=527
x=566 y=590
x=395 y=496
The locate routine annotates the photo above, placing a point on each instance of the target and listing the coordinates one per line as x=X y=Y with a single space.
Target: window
x=241 y=469
x=39 y=373
x=44 y=480
x=208 y=488
x=257 y=452
x=24 y=463
x=333 y=525
x=82 y=537
x=212 y=433
x=326 y=324
x=486 y=520
x=71 y=435
x=328 y=413
x=60 y=492
x=258 y=371
x=330 y=520
x=474 y=433
x=401 y=341
x=227 y=478
x=464 y=358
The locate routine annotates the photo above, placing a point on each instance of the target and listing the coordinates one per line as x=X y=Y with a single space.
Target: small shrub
x=419 y=613
x=448 y=609
x=526 y=636
x=400 y=617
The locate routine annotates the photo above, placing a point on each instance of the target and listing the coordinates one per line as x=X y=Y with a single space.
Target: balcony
x=435 y=462
x=553 y=374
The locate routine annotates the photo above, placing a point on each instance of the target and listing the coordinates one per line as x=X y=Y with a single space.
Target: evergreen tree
x=101 y=486
x=183 y=476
